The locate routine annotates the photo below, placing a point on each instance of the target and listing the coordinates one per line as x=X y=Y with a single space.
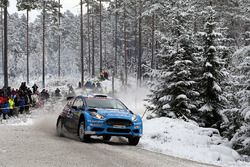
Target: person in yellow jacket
x=12 y=105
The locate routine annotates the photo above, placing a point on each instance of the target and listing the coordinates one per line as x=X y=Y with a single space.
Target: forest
x=194 y=55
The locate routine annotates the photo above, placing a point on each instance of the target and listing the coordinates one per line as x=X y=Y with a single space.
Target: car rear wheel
x=133 y=141
x=59 y=128
x=82 y=136
x=106 y=137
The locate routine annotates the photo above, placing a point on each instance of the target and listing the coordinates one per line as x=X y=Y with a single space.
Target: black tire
x=59 y=127
x=106 y=137
x=81 y=132
x=133 y=141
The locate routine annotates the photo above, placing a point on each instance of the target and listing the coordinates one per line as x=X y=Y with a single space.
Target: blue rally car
x=99 y=115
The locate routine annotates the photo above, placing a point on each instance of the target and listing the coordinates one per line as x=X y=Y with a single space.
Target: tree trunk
x=43 y=75
x=153 y=41
x=27 y=47
x=135 y=52
x=125 y=47
x=89 y=47
x=116 y=38
x=59 y=39
x=100 y=1
x=139 y=71
x=82 y=58
x=113 y=83
x=157 y=48
x=5 y=46
x=93 y=45
x=105 y=54
x=2 y=37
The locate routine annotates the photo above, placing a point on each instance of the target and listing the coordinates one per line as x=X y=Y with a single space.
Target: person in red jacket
x=4 y=106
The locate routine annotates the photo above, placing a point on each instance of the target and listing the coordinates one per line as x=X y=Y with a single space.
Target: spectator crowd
x=18 y=101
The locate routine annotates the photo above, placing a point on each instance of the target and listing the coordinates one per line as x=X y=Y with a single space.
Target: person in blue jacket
x=21 y=104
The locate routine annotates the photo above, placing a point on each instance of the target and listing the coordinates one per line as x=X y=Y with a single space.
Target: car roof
x=97 y=96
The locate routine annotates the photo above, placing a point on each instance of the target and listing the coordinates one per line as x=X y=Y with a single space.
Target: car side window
x=70 y=102
x=78 y=103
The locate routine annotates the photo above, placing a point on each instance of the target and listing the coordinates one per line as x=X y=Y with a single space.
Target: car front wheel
x=133 y=141
x=82 y=136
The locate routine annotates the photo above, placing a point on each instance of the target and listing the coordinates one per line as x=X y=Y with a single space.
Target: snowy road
x=38 y=146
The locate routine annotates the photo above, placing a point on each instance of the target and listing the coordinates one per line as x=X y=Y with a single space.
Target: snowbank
x=21 y=120
x=188 y=140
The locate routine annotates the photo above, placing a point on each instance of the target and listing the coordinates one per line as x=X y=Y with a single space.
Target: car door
x=77 y=109
x=68 y=114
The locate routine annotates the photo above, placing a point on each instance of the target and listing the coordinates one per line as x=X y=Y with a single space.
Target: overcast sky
x=71 y=5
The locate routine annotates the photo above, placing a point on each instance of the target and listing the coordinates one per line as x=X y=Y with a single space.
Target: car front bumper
x=99 y=128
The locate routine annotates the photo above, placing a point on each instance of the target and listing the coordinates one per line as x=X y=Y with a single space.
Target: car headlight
x=134 y=118
x=96 y=115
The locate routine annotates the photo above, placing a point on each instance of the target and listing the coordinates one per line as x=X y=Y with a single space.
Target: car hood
x=115 y=113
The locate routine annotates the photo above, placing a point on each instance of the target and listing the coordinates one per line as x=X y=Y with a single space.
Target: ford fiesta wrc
x=99 y=115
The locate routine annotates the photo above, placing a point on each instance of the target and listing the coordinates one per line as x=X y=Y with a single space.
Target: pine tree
x=27 y=5
x=49 y=8
x=88 y=34
x=16 y=44
x=71 y=44
x=241 y=122
x=174 y=91
x=211 y=91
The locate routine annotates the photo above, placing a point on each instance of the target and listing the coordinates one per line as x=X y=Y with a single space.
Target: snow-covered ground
x=168 y=136
x=187 y=140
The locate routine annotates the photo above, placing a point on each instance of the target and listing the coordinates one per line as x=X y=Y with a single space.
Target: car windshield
x=105 y=103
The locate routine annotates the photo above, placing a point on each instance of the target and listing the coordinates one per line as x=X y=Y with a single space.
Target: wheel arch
x=60 y=117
